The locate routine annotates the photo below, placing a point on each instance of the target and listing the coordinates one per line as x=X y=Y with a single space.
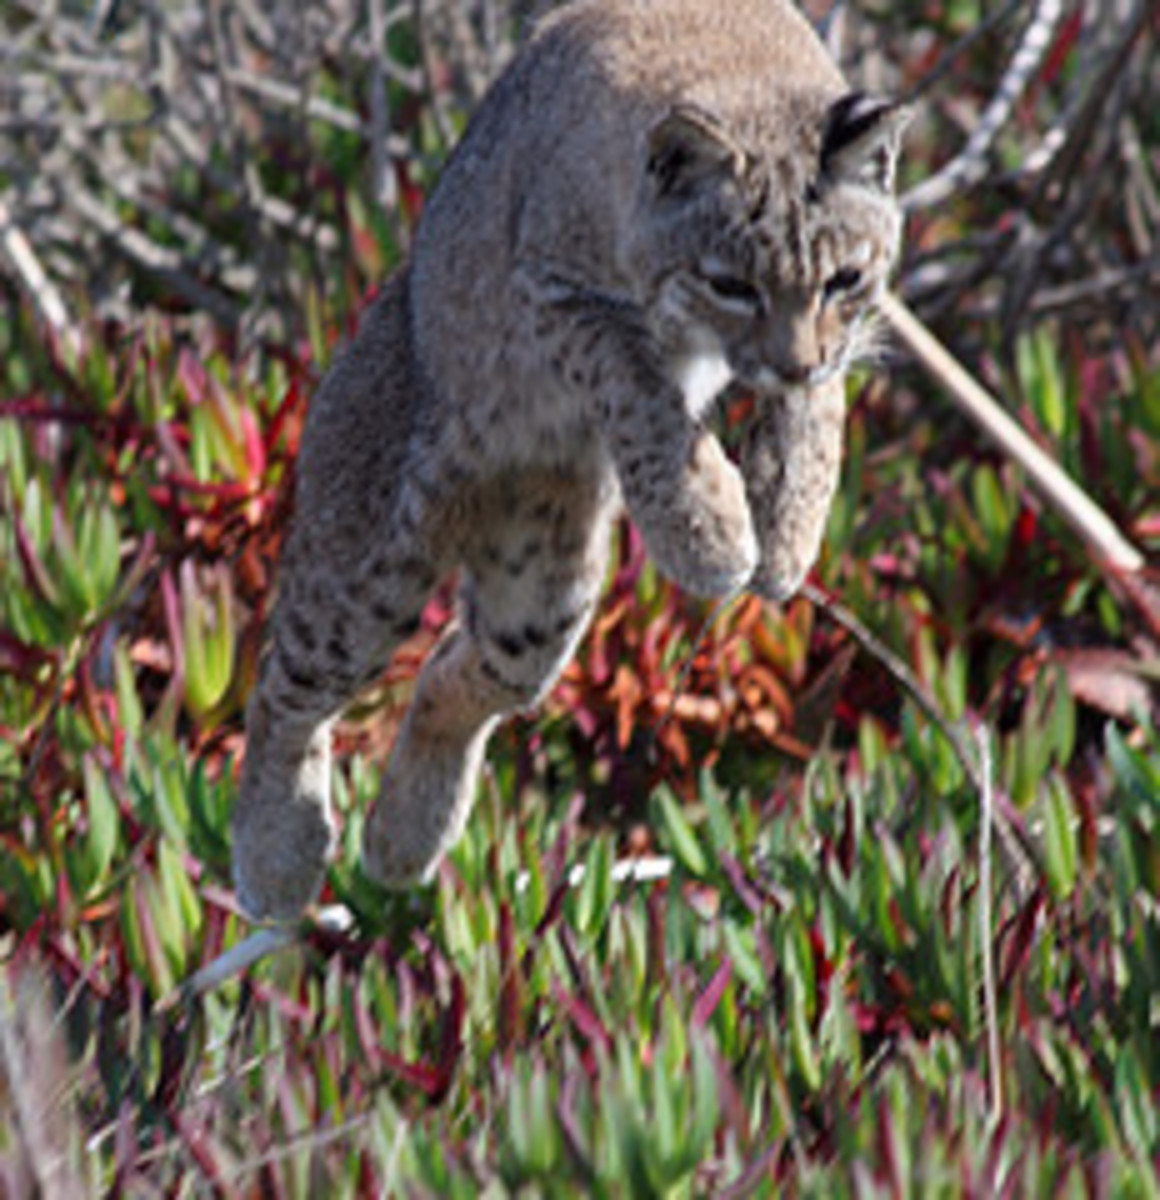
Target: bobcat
x=657 y=199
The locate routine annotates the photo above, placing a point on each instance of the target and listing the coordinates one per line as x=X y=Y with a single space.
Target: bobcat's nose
x=796 y=352
x=798 y=373
x=807 y=374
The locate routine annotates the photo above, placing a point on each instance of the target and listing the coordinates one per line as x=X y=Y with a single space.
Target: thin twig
x=434 y=95
x=41 y=290
x=986 y=916
x=223 y=53
x=1021 y=857
x=1066 y=140
x=384 y=186
x=270 y=939
x=950 y=56
x=120 y=176
x=1096 y=289
x=160 y=261
x=283 y=96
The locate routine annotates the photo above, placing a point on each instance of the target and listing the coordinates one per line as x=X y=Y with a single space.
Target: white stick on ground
x=337 y=918
x=270 y=939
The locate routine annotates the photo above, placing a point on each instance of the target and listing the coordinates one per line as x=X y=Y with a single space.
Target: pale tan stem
x=1092 y=524
x=16 y=247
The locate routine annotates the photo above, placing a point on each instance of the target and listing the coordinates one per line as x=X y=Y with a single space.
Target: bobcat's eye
x=738 y=293
x=847 y=279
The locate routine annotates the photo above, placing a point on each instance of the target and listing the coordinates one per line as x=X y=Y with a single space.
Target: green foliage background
x=797 y=1005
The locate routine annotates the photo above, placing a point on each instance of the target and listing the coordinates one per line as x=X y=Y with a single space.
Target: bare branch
x=165 y=264
x=41 y=290
x=970 y=166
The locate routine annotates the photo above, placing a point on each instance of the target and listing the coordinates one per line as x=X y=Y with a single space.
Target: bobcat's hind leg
x=332 y=635
x=356 y=571
x=533 y=576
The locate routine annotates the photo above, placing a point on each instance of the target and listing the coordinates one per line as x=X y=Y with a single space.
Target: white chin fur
x=703 y=377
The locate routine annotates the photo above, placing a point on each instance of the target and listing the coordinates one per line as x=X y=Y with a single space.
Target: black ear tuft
x=848 y=119
x=861 y=138
x=687 y=148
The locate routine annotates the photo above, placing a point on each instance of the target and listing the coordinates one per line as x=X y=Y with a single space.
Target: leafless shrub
x=201 y=157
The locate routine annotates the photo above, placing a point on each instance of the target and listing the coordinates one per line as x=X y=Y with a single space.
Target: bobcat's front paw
x=281 y=848
x=702 y=536
x=791 y=461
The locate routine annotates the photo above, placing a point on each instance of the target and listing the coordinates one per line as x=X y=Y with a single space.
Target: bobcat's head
x=763 y=241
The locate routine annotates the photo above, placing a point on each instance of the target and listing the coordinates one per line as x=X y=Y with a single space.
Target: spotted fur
x=658 y=198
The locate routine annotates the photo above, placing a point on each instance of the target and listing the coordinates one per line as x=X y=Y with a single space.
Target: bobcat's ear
x=687 y=148
x=861 y=139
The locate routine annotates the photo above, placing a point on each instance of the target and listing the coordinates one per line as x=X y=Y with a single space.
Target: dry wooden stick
x=263 y=942
x=47 y=300
x=165 y=263
x=1111 y=548
x=337 y=919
